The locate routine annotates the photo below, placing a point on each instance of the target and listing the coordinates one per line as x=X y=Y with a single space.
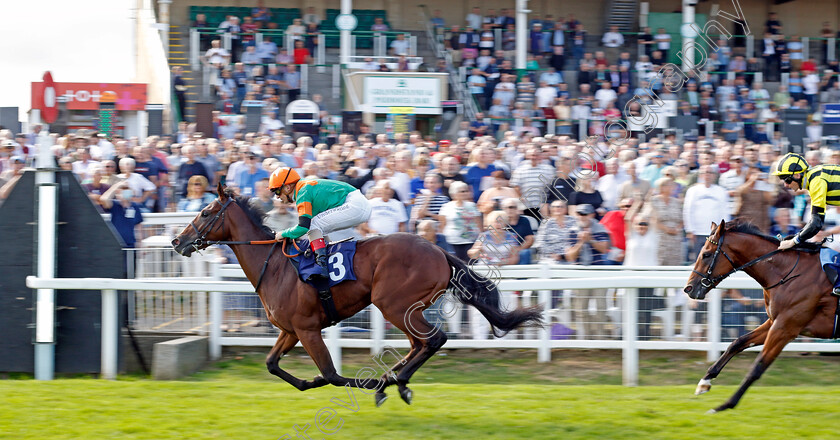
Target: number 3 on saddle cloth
x=339 y=263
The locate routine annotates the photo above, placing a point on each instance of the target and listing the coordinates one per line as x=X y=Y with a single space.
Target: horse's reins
x=202 y=236
x=711 y=282
x=708 y=281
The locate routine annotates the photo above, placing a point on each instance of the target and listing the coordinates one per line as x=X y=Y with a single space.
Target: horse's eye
x=707 y=255
x=204 y=213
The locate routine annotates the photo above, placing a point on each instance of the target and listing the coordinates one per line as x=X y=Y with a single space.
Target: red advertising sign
x=49 y=104
x=87 y=96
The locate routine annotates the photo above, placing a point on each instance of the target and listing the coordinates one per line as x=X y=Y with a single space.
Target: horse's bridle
x=708 y=282
x=706 y=279
x=208 y=228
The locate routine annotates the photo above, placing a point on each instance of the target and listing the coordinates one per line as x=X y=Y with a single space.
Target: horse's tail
x=476 y=290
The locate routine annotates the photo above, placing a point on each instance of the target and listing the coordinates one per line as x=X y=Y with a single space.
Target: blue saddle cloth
x=340 y=262
x=830 y=262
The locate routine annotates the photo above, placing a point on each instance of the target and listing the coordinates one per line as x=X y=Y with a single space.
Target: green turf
x=463 y=395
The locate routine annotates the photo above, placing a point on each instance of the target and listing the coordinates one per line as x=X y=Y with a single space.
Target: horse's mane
x=256 y=216
x=746 y=227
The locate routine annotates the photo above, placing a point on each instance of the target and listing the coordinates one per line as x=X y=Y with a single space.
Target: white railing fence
x=376 y=337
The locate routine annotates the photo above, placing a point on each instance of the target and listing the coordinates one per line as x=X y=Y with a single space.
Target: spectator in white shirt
x=605 y=94
x=217 y=56
x=705 y=203
x=388 y=215
x=311 y=17
x=474 y=18
x=612 y=40
x=545 y=95
x=663 y=42
x=400 y=45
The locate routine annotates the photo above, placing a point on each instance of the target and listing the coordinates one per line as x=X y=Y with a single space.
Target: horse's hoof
x=703 y=387
x=406 y=395
x=380 y=398
x=711 y=411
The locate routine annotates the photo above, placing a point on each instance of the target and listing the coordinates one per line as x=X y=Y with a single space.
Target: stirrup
x=836 y=291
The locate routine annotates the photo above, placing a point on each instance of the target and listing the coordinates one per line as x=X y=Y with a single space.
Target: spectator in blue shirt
x=478 y=176
x=476 y=83
x=267 y=50
x=125 y=211
x=252 y=174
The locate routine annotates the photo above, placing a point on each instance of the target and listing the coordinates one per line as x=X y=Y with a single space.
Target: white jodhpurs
x=338 y=223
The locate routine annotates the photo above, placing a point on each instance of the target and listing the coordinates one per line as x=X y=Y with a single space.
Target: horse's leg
x=285 y=342
x=317 y=349
x=778 y=336
x=753 y=338
x=414 y=324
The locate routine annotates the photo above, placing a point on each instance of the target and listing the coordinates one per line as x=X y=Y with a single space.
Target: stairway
x=179 y=56
x=622 y=13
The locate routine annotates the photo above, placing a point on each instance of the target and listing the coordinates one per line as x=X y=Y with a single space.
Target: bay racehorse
x=401 y=274
x=797 y=294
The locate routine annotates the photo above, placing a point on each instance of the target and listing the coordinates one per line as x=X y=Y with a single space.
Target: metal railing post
x=750 y=46
x=550 y=126
x=334 y=345
x=216 y=318
x=412 y=48
x=544 y=350
x=377 y=326
x=258 y=38
x=630 y=351
x=195 y=48
x=304 y=80
x=713 y=325
x=336 y=81
x=831 y=53
x=806 y=49
x=320 y=54
x=110 y=333
x=497 y=39
x=352 y=45
x=226 y=41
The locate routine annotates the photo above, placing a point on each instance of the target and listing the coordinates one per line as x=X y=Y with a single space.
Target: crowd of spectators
x=525 y=199
x=500 y=193
x=571 y=77
x=268 y=69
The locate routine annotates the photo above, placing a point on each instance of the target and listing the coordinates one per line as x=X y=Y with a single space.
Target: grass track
x=501 y=399
x=86 y=409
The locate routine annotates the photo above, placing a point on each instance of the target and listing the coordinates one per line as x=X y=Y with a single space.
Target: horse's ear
x=220 y=189
x=714 y=227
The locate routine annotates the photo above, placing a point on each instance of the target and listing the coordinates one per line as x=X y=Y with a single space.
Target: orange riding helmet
x=281 y=177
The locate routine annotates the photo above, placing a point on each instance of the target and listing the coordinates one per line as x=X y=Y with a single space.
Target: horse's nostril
x=176 y=242
x=688 y=289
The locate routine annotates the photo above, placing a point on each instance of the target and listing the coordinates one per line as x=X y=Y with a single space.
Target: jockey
x=823 y=185
x=323 y=206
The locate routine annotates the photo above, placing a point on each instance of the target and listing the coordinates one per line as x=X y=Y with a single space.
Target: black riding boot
x=321 y=261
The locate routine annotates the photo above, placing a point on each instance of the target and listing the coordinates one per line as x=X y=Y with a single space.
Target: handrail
x=630 y=345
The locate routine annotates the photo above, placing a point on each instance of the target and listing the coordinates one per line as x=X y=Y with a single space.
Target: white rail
x=606 y=278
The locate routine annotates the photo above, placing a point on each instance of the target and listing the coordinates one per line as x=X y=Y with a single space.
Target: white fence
x=541 y=280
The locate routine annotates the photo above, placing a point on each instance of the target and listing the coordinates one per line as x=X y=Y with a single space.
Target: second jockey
x=323 y=206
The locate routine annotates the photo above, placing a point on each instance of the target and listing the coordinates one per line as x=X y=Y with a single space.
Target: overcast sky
x=76 y=40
